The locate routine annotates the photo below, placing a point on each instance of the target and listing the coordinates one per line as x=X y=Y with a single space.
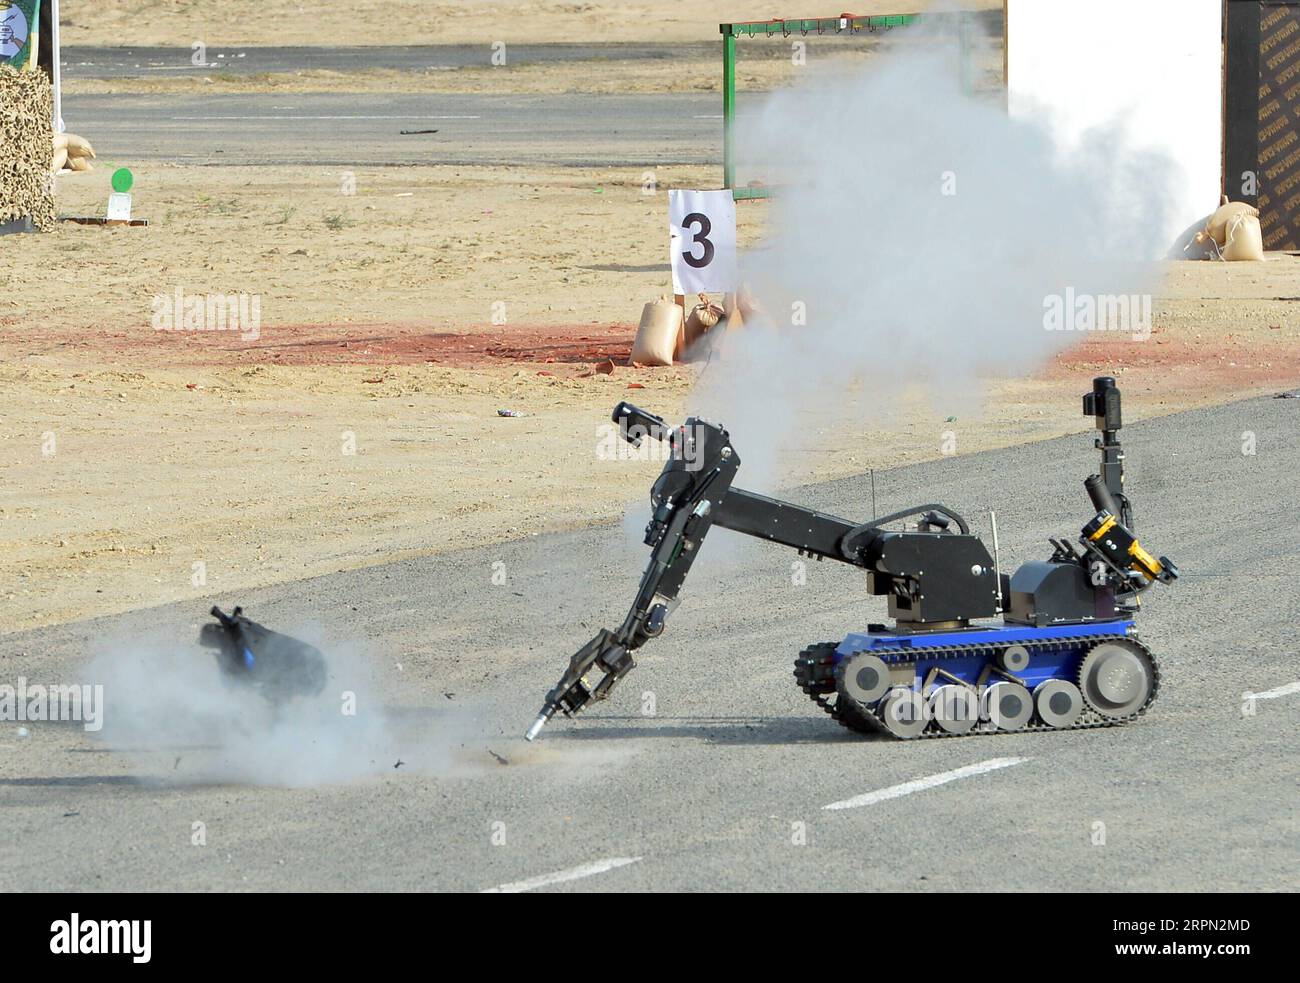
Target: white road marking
x=572 y=874
x=710 y=116
x=190 y=118
x=921 y=784
x=1273 y=694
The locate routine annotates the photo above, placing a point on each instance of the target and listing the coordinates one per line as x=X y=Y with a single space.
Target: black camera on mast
x=1103 y=403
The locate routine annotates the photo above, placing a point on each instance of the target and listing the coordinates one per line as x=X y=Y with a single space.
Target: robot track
x=821 y=676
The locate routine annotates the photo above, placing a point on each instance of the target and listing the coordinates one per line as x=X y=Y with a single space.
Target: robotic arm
x=697 y=477
x=693 y=493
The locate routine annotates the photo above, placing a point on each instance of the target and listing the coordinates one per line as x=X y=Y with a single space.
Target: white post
x=55 y=59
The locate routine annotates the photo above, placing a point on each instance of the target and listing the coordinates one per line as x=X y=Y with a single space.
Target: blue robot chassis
x=1066 y=654
x=982 y=679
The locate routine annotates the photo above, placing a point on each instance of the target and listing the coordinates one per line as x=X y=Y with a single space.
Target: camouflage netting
x=26 y=147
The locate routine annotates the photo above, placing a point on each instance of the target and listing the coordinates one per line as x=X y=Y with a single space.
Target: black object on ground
x=279 y=666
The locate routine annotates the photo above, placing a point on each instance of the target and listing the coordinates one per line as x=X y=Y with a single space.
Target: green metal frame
x=802 y=26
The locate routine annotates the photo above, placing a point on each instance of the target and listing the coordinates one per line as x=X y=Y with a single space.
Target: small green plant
x=336 y=223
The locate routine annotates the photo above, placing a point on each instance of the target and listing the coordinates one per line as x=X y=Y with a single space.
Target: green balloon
x=122 y=180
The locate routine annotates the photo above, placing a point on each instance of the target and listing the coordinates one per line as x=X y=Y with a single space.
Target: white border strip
x=572 y=874
x=921 y=784
x=1273 y=694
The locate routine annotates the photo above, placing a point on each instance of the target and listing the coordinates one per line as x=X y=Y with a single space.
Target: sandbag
x=1217 y=227
x=60 y=159
x=658 y=337
x=702 y=317
x=1245 y=240
x=78 y=146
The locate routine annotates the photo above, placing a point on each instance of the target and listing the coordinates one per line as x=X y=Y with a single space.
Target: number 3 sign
x=702 y=241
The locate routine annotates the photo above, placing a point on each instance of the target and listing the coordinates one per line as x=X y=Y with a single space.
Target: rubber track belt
x=849 y=713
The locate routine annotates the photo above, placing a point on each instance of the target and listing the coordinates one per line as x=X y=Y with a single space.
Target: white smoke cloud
x=920 y=229
x=168 y=705
x=180 y=721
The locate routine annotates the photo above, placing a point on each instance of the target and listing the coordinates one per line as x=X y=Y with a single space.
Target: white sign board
x=1154 y=66
x=702 y=241
x=119 y=207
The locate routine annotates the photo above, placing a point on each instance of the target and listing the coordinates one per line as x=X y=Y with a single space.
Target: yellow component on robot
x=1104 y=528
x=1145 y=562
x=1139 y=559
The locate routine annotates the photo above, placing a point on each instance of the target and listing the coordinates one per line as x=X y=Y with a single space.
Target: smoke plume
x=915 y=237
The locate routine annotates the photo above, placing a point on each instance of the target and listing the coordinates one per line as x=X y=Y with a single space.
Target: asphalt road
x=725 y=784
x=350 y=130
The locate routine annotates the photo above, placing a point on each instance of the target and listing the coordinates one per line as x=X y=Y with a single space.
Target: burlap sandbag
x=659 y=335
x=1245 y=240
x=1217 y=227
x=78 y=146
x=702 y=317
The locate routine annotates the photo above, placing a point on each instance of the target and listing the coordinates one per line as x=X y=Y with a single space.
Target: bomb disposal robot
x=1065 y=654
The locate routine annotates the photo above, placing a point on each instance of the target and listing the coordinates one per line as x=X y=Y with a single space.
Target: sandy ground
x=760 y=65
x=146 y=466
x=687 y=74
x=361 y=424
x=760 y=69
x=316 y=22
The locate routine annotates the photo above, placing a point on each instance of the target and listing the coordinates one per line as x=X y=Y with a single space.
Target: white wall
x=1154 y=65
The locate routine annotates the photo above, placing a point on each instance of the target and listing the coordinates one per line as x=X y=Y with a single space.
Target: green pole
x=728 y=106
